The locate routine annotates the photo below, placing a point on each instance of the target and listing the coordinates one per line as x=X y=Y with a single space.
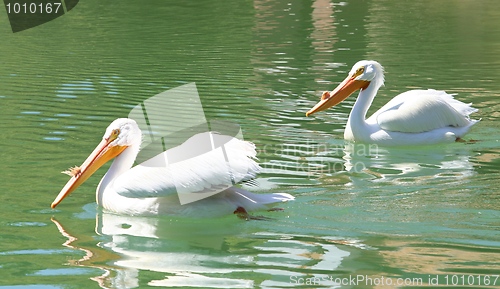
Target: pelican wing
x=418 y=111
x=182 y=169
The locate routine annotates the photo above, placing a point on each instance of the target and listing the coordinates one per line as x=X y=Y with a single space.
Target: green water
x=428 y=215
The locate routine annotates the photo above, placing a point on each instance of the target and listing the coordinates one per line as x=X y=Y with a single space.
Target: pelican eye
x=358 y=72
x=114 y=134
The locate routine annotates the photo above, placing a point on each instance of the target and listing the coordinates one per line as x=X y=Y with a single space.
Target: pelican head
x=362 y=74
x=126 y=130
x=120 y=134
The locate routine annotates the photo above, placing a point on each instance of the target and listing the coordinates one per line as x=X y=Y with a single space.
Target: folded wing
x=229 y=161
x=418 y=111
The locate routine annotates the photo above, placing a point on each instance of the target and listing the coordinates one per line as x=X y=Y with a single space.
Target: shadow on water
x=319 y=161
x=409 y=164
x=134 y=252
x=230 y=253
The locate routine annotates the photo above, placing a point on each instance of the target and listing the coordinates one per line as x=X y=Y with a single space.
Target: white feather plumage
x=415 y=117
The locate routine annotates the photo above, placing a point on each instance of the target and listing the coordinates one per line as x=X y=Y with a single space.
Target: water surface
x=402 y=214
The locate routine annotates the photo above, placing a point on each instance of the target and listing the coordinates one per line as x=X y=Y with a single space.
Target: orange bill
x=104 y=152
x=339 y=94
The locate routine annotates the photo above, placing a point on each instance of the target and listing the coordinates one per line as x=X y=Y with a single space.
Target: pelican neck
x=122 y=163
x=357 y=118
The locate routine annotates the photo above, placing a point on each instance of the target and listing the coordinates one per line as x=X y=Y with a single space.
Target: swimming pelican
x=152 y=189
x=415 y=117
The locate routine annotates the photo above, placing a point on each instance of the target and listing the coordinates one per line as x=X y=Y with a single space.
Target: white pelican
x=415 y=117
x=152 y=190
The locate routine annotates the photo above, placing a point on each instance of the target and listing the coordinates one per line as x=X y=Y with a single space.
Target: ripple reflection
x=183 y=252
